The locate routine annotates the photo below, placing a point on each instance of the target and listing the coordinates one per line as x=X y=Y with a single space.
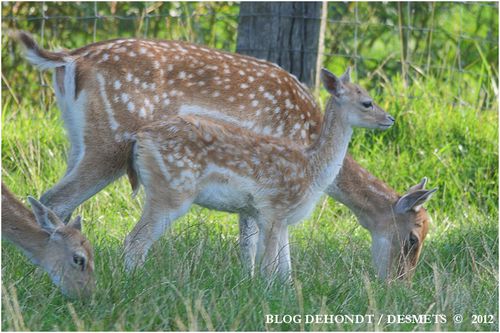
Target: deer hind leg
x=249 y=236
x=90 y=175
x=157 y=217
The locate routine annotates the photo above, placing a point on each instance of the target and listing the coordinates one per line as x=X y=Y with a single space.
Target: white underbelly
x=225 y=197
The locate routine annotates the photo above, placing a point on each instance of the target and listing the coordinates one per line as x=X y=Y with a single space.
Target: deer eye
x=413 y=240
x=367 y=105
x=79 y=261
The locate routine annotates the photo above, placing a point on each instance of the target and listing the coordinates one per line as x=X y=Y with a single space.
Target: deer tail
x=37 y=56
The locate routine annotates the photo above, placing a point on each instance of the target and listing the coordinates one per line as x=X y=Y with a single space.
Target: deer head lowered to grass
x=108 y=90
x=277 y=183
x=61 y=250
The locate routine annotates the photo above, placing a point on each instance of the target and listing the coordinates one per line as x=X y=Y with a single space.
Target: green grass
x=193 y=277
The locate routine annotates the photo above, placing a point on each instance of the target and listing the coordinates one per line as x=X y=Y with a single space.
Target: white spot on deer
x=296 y=126
x=216 y=94
x=107 y=105
x=251 y=96
x=277 y=110
x=170 y=82
x=116 y=58
x=201 y=83
x=268 y=96
x=142 y=50
x=131 y=106
x=227 y=87
x=251 y=79
x=255 y=103
x=142 y=112
x=125 y=98
x=227 y=71
x=242 y=73
x=156 y=64
x=280 y=128
x=244 y=86
x=170 y=67
x=156 y=98
x=144 y=85
x=231 y=98
x=136 y=80
x=182 y=75
x=261 y=88
x=132 y=54
x=303 y=134
x=105 y=57
x=266 y=130
x=200 y=71
x=166 y=101
x=129 y=77
x=258 y=112
x=117 y=85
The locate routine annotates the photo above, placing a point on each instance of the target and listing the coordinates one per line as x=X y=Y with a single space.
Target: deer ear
x=346 y=77
x=419 y=186
x=46 y=218
x=76 y=223
x=331 y=82
x=413 y=201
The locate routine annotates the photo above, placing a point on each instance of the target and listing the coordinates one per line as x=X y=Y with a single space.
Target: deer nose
x=391 y=118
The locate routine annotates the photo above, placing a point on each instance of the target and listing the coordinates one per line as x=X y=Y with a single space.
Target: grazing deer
x=188 y=160
x=108 y=90
x=60 y=249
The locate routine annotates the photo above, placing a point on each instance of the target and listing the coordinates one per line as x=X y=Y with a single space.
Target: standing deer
x=108 y=90
x=277 y=183
x=63 y=252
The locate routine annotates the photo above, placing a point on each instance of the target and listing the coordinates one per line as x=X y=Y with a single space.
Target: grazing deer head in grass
x=396 y=245
x=61 y=250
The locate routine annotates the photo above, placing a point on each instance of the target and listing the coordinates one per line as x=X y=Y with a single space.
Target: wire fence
x=452 y=42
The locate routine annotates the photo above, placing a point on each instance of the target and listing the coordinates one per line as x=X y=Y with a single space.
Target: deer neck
x=18 y=228
x=369 y=198
x=327 y=152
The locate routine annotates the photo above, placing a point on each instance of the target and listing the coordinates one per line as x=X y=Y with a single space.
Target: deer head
x=67 y=255
x=362 y=111
x=396 y=245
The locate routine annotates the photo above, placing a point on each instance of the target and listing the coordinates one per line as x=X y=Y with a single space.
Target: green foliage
x=446 y=129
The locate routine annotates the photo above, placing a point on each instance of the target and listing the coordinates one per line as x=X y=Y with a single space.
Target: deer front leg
x=267 y=257
x=249 y=235
x=84 y=179
x=285 y=262
x=157 y=217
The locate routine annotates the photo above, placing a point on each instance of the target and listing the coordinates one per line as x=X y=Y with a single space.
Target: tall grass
x=193 y=279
